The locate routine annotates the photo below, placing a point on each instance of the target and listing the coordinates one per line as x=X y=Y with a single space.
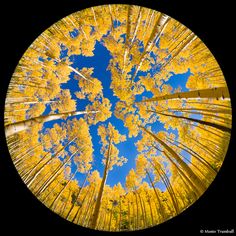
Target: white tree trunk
x=26 y=124
x=202 y=93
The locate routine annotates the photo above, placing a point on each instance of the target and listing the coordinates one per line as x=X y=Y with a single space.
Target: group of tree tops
x=163 y=183
x=172 y=169
x=147 y=48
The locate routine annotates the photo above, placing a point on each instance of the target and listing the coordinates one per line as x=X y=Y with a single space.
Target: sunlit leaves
x=103 y=108
x=67 y=131
x=132 y=181
x=110 y=135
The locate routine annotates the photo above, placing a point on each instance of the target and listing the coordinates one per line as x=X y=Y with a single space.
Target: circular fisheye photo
x=117 y=118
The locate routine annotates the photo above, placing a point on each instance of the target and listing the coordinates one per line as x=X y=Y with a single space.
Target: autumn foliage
x=181 y=132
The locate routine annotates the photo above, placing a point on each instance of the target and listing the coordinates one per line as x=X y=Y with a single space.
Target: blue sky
x=99 y=62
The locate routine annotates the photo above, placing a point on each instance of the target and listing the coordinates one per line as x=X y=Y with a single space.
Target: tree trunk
x=55 y=173
x=134 y=217
x=183 y=165
x=89 y=204
x=80 y=207
x=196 y=155
x=136 y=26
x=214 y=125
x=120 y=215
x=175 y=52
x=169 y=188
x=62 y=211
x=209 y=110
x=203 y=147
x=201 y=93
x=61 y=191
x=137 y=211
x=158 y=28
x=186 y=177
x=214 y=116
x=162 y=210
x=28 y=181
x=49 y=193
x=26 y=124
x=110 y=218
x=150 y=208
x=209 y=104
x=129 y=218
x=19 y=160
x=77 y=197
x=99 y=199
x=142 y=209
x=128 y=22
x=112 y=20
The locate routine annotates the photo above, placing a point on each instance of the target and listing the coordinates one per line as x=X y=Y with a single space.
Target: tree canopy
x=118 y=117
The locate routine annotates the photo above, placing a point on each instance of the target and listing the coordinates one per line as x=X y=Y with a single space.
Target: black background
x=22 y=22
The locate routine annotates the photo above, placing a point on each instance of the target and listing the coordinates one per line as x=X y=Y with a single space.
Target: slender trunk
x=110 y=218
x=55 y=174
x=170 y=190
x=99 y=199
x=182 y=174
x=162 y=210
x=201 y=93
x=61 y=191
x=200 y=173
x=207 y=123
x=145 y=212
x=50 y=192
x=183 y=165
x=216 y=144
x=120 y=215
x=156 y=32
x=222 y=111
x=104 y=222
x=80 y=207
x=63 y=204
x=142 y=209
x=128 y=22
x=63 y=210
x=195 y=155
x=209 y=104
x=112 y=20
x=80 y=74
x=89 y=203
x=11 y=85
x=129 y=218
x=100 y=222
x=145 y=24
x=168 y=186
x=175 y=52
x=26 y=124
x=134 y=217
x=136 y=26
x=28 y=181
x=78 y=195
x=215 y=117
x=27 y=152
x=14 y=147
x=203 y=147
x=19 y=160
x=90 y=212
x=137 y=211
x=197 y=192
x=94 y=17
x=30 y=102
x=218 y=135
x=150 y=208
